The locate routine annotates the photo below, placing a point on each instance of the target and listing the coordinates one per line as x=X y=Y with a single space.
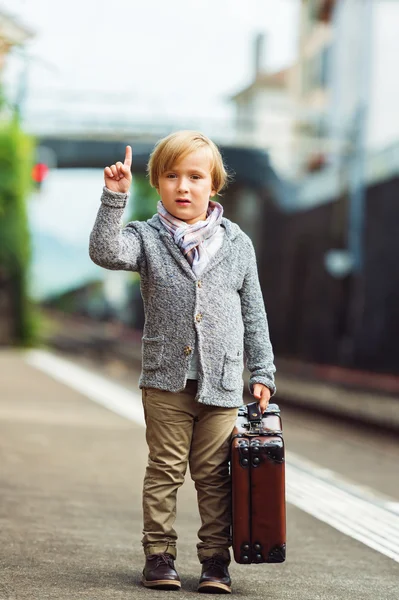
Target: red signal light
x=40 y=172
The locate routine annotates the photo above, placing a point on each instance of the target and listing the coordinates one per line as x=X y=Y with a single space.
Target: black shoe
x=160 y=573
x=215 y=578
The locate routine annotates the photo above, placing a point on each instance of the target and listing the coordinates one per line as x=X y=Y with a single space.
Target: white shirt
x=211 y=246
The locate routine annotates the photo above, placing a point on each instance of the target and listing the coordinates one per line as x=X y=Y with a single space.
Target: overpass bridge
x=64 y=143
x=67 y=144
x=92 y=141
x=250 y=166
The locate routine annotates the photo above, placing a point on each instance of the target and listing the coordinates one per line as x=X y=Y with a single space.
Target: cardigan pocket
x=152 y=352
x=232 y=372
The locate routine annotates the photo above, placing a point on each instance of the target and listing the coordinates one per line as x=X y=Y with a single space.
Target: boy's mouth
x=182 y=201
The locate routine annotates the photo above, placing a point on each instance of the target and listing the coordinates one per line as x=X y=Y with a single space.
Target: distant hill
x=58 y=266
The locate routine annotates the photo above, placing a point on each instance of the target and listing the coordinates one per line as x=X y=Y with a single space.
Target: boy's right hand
x=118 y=177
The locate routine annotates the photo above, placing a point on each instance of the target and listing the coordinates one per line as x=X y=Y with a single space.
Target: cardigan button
x=187 y=350
x=199 y=283
x=198 y=317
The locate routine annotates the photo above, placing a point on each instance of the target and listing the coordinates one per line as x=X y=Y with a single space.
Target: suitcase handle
x=272 y=409
x=255 y=420
x=254 y=413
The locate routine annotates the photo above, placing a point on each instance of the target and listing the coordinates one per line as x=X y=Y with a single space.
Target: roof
x=12 y=32
x=276 y=80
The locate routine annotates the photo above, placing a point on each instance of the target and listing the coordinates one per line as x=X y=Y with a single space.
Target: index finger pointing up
x=128 y=157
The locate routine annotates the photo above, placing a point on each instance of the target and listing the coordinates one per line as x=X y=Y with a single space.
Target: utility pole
x=347 y=263
x=357 y=184
x=23 y=84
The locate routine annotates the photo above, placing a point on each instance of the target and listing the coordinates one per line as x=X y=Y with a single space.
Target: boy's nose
x=183 y=187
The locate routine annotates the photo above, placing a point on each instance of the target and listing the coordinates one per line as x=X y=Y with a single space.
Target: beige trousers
x=181 y=431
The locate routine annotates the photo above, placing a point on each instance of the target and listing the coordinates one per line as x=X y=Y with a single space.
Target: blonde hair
x=176 y=146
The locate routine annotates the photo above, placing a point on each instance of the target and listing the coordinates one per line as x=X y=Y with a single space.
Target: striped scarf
x=190 y=238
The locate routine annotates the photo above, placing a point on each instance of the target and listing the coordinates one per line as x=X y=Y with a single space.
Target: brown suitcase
x=258 y=486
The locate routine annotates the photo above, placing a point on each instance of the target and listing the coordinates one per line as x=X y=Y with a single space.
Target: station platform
x=71 y=478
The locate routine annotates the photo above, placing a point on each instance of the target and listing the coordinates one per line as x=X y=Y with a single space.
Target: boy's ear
x=213 y=193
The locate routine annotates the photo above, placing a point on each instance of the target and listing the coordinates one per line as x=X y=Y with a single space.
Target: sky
x=150 y=58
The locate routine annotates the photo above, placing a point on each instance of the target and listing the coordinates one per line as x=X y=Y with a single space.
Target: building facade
x=12 y=34
x=265 y=112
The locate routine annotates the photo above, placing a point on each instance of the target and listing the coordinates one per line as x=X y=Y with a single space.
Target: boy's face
x=186 y=188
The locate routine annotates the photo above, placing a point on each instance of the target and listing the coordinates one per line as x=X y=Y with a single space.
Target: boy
x=203 y=307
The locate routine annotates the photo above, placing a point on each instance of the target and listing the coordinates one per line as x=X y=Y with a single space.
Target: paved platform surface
x=70 y=502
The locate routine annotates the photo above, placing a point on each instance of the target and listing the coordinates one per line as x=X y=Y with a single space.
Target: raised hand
x=118 y=177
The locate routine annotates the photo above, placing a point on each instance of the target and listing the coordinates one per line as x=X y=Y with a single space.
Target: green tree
x=16 y=162
x=144 y=199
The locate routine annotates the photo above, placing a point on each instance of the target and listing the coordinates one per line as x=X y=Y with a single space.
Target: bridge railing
x=111 y=127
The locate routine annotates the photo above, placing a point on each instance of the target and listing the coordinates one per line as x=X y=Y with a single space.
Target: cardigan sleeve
x=111 y=245
x=257 y=345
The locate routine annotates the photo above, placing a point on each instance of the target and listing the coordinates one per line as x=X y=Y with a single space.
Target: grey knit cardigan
x=223 y=310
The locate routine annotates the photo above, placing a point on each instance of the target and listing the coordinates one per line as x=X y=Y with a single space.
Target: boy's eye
x=173 y=176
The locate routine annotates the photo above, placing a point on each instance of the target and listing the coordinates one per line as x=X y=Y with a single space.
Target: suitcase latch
x=254 y=415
